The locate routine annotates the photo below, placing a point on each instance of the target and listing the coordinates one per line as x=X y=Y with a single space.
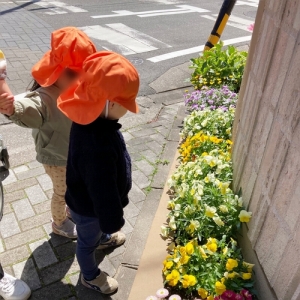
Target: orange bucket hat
x=69 y=48
x=106 y=76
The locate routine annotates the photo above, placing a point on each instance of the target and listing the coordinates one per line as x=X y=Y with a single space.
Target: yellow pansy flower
x=248 y=266
x=220 y=287
x=210 y=211
x=173 y=278
x=212 y=245
x=225 y=250
x=210 y=297
x=246 y=276
x=223 y=208
x=193 y=226
x=184 y=259
x=223 y=187
x=169 y=265
x=189 y=248
x=233 y=275
x=218 y=221
x=203 y=293
x=202 y=252
x=182 y=251
x=231 y=264
x=245 y=216
x=188 y=280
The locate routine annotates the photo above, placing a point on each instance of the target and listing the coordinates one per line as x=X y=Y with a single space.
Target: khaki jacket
x=50 y=127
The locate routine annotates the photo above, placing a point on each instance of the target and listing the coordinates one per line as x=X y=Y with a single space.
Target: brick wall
x=266 y=154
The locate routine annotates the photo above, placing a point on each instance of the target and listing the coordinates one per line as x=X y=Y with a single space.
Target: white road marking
x=238 y=20
x=57 y=7
x=236 y=25
x=182 y=9
x=142 y=37
x=124 y=41
x=254 y=4
x=197 y=49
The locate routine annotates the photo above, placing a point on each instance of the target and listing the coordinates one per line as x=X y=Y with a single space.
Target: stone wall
x=266 y=153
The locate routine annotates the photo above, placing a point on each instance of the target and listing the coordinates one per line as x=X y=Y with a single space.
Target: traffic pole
x=220 y=24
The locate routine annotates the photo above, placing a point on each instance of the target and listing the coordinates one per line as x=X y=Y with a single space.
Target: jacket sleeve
x=100 y=177
x=30 y=112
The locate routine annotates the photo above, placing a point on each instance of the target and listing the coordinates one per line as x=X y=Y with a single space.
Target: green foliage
x=218 y=67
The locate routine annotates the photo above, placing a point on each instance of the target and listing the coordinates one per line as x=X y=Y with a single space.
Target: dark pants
x=1 y=272
x=89 y=237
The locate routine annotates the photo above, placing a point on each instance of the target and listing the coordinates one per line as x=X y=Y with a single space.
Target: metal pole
x=220 y=24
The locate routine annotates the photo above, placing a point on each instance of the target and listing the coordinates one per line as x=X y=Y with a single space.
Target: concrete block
x=26 y=271
x=35 y=221
x=126 y=277
x=31 y=173
x=20 y=185
x=24 y=238
x=10 y=257
x=42 y=253
x=145 y=167
x=131 y=211
x=136 y=195
x=140 y=179
x=35 y=194
x=9 y=226
x=16 y=195
x=23 y=209
x=45 y=182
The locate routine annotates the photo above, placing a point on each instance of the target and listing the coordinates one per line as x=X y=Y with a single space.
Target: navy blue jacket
x=99 y=173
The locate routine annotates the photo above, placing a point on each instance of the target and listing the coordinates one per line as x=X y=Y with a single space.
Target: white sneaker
x=12 y=288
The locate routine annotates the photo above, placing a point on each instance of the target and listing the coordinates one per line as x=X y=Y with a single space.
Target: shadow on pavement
x=18 y=7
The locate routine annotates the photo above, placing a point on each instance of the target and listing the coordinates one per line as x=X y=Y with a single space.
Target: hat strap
x=106 y=109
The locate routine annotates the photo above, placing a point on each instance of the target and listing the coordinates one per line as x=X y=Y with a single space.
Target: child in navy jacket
x=99 y=166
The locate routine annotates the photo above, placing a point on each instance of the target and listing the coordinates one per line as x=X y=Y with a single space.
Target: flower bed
x=204 y=260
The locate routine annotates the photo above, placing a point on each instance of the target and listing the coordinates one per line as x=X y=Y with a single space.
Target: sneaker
x=103 y=284
x=117 y=239
x=12 y=288
x=68 y=212
x=67 y=229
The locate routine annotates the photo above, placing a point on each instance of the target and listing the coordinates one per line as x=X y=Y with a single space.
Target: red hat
x=69 y=48
x=106 y=76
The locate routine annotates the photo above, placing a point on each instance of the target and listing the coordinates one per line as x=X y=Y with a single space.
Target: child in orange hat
x=99 y=166
x=38 y=110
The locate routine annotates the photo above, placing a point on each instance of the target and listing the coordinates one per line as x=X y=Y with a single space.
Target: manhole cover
x=136 y=61
x=251 y=13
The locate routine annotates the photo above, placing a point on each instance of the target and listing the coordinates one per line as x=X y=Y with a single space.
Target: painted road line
x=197 y=49
x=254 y=4
x=181 y=9
x=140 y=36
x=236 y=25
x=58 y=8
x=238 y=20
x=121 y=42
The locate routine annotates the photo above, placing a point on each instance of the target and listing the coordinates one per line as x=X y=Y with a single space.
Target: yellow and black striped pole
x=220 y=24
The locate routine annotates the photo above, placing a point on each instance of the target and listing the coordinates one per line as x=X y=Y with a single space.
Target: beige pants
x=58 y=203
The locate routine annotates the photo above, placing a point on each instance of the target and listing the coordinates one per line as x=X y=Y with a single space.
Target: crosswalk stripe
x=236 y=25
x=122 y=42
x=181 y=9
x=238 y=20
x=142 y=37
x=254 y=4
x=197 y=49
x=57 y=7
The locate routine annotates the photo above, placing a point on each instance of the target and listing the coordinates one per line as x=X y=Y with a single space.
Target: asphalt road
x=161 y=27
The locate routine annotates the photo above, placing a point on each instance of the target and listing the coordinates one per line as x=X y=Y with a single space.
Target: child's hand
x=7 y=106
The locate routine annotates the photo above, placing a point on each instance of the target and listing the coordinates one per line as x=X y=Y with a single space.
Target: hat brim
x=46 y=71
x=76 y=104
x=81 y=106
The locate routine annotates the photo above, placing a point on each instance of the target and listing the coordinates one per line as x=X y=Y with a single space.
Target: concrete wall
x=266 y=153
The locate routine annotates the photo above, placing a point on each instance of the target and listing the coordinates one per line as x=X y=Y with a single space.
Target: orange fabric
x=106 y=76
x=69 y=48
